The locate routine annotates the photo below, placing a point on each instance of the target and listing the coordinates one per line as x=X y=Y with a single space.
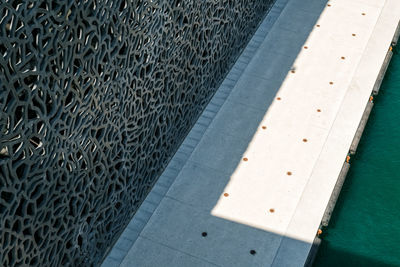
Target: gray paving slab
x=279 y=65
x=110 y=262
x=284 y=42
x=292 y=253
x=220 y=147
x=199 y=186
x=146 y=253
x=255 y=91
x=310 y=6
x=224 y=244
x=300 y=21
x=237 y=119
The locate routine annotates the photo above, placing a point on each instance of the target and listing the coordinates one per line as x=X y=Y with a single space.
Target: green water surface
x=365 y=226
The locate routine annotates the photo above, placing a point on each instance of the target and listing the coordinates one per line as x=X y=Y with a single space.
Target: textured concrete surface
x=250 y=184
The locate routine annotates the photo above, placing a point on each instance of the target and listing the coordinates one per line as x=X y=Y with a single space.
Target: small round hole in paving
x=253 y=252
x=204 y=234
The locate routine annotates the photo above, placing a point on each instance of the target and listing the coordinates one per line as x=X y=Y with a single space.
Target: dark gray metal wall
x=95 y=97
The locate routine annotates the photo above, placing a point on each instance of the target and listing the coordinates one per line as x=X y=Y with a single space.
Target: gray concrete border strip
x=361 y=128
x=335 y=194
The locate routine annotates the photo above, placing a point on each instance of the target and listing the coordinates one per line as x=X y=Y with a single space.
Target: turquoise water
x=365 y=227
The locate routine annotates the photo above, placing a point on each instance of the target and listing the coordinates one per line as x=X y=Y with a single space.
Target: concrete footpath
x=251 y=183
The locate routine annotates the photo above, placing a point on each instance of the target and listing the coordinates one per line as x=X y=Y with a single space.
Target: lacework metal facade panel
x=95 y=97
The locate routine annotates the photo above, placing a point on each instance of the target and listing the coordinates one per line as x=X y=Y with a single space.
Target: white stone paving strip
x=250 y=183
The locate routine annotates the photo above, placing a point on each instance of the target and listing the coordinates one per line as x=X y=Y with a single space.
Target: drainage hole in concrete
x=253 y=252
x=204 y=234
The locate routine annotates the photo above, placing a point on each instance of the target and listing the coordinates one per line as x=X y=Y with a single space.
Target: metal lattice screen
x=95 y=96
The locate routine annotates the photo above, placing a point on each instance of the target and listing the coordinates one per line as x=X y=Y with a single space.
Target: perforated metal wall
x=95 y=96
